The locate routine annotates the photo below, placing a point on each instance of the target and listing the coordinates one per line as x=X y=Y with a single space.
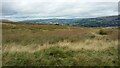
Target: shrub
x=103 y=32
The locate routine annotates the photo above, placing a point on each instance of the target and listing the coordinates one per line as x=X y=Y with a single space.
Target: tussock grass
x=62 y=56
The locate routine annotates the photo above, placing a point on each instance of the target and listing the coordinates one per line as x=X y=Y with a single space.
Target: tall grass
x=26 y=44
x=57 y=56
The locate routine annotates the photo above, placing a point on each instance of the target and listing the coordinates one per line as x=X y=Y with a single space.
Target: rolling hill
x=90 y=22
x=100 y=21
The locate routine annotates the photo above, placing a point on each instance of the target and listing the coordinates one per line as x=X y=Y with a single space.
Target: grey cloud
x=7 y=9
x=34 y=9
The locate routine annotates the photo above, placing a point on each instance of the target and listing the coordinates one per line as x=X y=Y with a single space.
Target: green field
x=34 y=44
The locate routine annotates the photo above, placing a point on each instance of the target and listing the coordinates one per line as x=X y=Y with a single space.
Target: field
x=34 y=44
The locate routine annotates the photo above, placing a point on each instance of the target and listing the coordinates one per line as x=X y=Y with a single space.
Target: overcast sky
x=36 y=9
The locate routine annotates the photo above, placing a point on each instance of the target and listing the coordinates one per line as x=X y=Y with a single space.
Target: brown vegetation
x=79 y=45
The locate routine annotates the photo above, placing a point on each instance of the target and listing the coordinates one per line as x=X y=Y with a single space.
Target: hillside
x=6 y=20
x=36 y=44
x=100 y=21
x=95 y=22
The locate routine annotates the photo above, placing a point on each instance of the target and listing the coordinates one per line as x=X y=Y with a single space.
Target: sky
x=45 y=9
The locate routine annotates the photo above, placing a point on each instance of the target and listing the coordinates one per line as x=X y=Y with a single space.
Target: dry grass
x=97 y=45
x=80 y=45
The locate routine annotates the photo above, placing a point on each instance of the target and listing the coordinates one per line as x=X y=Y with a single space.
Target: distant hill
x=60 y=21
x=6 y=20
x=90 y=22
x=100 y=21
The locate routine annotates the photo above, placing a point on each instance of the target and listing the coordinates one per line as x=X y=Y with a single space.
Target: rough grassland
x=33 y=44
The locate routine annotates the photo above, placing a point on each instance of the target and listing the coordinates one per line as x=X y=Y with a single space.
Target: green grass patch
x=62 y=56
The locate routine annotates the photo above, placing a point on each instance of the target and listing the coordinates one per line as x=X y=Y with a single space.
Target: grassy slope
x=59 y=45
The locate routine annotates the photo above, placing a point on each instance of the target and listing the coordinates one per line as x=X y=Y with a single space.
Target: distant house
x=54 y=23
x=51 y=22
